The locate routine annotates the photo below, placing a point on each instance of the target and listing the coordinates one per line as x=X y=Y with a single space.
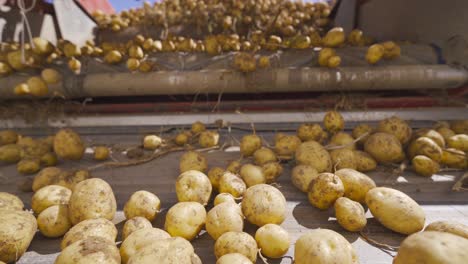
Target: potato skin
x=364 y=161
x=90 y=250
x=173 y=250
x=424 y=166
x=425 y=146
x=324 y=190
x=308 y=132
x=356 y=184
x=360 y=130
x=350 y=214
x=264 y=155
x=273 y=240
x=395 y=210
x=208 y=139
x=48 y=196
x=271 y=171
x=333 y=121
x=17 y=229
x=185 y=219
x=397 y=127
x=134 y=224
x=384 y=147
x=264 y=204
x=343 y=158
x=432 y=134
x=343 y=139
x=233 y=258
x=223 y=218
x=287 y=145
x=56 y=176
x=192 y=160
x=224 y=198
x=54 y=221
x=68 y=145
x=214 y=174
x=10 y=201
x=252 y=175
x=302 y=175
x=10 y=153
x=142 y=203
x=454 y=158
x=249 y=144
x=236 y=242
x=449 y=227
x=459 y=126
x=313 y=154
x=92 y=227
x=432 y=247
x=139 y=239
x=459 y=142
x=8 y=137
x=193 y=186
x=232 y=184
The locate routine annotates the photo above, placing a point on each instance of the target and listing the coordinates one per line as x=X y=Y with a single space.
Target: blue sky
x=120 y=5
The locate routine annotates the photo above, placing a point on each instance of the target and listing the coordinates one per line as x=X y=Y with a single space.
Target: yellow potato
x=397 y=127
x=272 y=170
x=101 y=153
x=185 y=219
x=223 y=218
x=458 y=142
x=343 y=139
x=214 y=174
x=234 y=166
x=182 y=139
x=54 y=221
x=334 y=61
x=10 y=153
x=425 y=146
x=134 y=224
x=273 y=240
x=432 y=134
x=459 y=126
x=51 y=76
x=8 y=137
x=139 y=239
x=192 y=160
x=208 y=139
x=99 y=227
x=375 y=53
x=333 y=121
x=395 y=210
x=425 y=166
x=356 y=184
x=90 y=250
x=166 y=251
x=287 y=145
x=350 y=214
x=232 y=184
x=308 y=132
x=152 y=142
x=445 y=132
x=236 y=242
x=55 y=176
x=42 y=46
x=384 y=148
x=361 y=130
x=343 y=158
x=454 y=158
x=324 y=56
x=223 y=198
x=10 y=202
x=302 y=175
x=264 y=155
x=37 y=86
x=364 y=161
x=391 y=50
x=144 y=204
x=355 y=37
x=313 y=154
x=68 y=145
x=324 y=190
x=198 y=127
x=233 y=258
x=17 y=231
x=335 y=37
x=264 y=204
x=48 y=196
x=432 y=247
x=455 y=228
x=49 y=159
x=252 y=175
x=193 y=186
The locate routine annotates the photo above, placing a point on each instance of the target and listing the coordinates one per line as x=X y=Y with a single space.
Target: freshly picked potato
x=445 y=132
x=432 y=247
x=287 y=145
x=324 y=246
x=144 y=204
x=334 y=38
x=236 y=242
x=54 y=221
x=193 y=186
x=8 y=137
x=264 y=204
x=324 y=190
x=272 y=170
x=313 y=154
x=454 y=158
x=48 y=159
x=302 y=175
x=375 y=53
x=273 y=240
x=185 y=219
x=425 y=146
x=333 y=121
x=425 y=166
x=391 y=50
x=343 y=139
x=384 y=147
x=233 y=258
x=364 y=161
x=56 y=176
x=223 y=198
x=397 y=127
x=214 y=174
x=455 y=228
x=350 y=214
x=355 y=37
x=208 y=139
x=17 y=230
x=101 y=153
x=10 y=202
x=197 y=127
x=192 y=160
x=234 y=166
x=139 y=239
x=166 y=251
x=308 y=132
x=245 y=62
x=356 y=184
x=91 y=199
x=134 y=224
x=264 y=155
x=395 y=210
x=223 y=218
x=232 y=184
x=68 y=145
x=48 y=196
x=459 y=126
x=51 y=76
x=432 y=134
x=252 y=175
x=90 y=250
x=360 y=130
x=28 y=166
x=182 y=138
x=10 y=153
x=459 y=142
x=90 y=228
x=324 y=56
x=343 y=158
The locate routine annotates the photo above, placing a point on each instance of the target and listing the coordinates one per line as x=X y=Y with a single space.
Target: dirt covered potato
x=350 y=214
x=324 y=246
x=185 y=219
x=88 y=228
x=343 y=158
x=10 y=202
x=308 y=132
x=193 y=186
x=395 y=210
x=375 y=53
x=28 y=166
x=384 y=148
x=425 y=146
x=234 y=166
x=192 y=160
x=90 y=250
x=232 y=184
x=223 y=198
x=101 y=153
x=361 y=130
x=313 y=154
x=445 y=132
x=10 y=153
x=264 y=155
x=56 y=176
x=144 y=204
x=459 y=126
x=91 y=199
x=8 y=137
x=364 y=161
x=334 y=38
x=397 y=127
x=236 y=242
x=54 y=221
x=17 y=230
x=214 y=174
x=302 y=175
x=272 y=170
x=48 y=196
x=454 y=158
x=252 y=175
x=333 y=121
x=264 y=204
x=68 y=145
x=324 y=190
x=166 y=251
x=287 y=145
x=198 y=127
x=134 y=224
x=356 y=184
x=455 y=228
x=459 y=142
x=233 y=258
x=139 y=239
x=273 y=240
x=432 y=134
x=344 y=140
x=223 y=218
x=432 y=247
x=425 y=166
x=208 y=139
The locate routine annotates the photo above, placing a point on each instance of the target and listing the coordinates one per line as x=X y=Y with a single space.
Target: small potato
x=264 y=155
x=101 y=153
x=192 y=160
x=432 y=247
x=10 y=202
x=395 y=210
x=425 y=166
x=333 y=121
x=99 y=227
x=17 y=231
x=139 y=239
x=166 y=251
x=214 y=174
x=343 y=139
x=193 y=186
x=8 y=137
x=324 y=190
x=48 y=159
x=208 y=139
x=432 y=134
x=223 y=198
x=343 y=158
x=181 y=139
x=28 y=166
x=68 y=145
x=425 y=146
x=234 y=166
x=324 y=56
x=356 y=184
x=249 y=144
x=397 y=127
x=364 y=161
x=273 y=240
x=232 y=184
x=55 y=176
x=91 y=199
x=252 y=175
x=458 y=142
x=51 y=76
x=384 y=147
x=449 y=227
x=459 y=126
x=198 y=127
x=302 y=175
x=308 y=132
x=350 y=214
x=233 y=258
x=53 y=221
x=375 y=53
x=134 y=224
x=10 y=153
x=144 y=204
x=236 y=242
x=454 y=158
x=313 y=154
x=324 y=246
x=445 y=132
x=223 y=218
x=152 y=142
x=48 y=196
x=264 y=204
x=334 y=38
x=272 y=170
x=185 y=219
x=391 y=50
x=90 y=250
x=361 y=130
x=287 y=145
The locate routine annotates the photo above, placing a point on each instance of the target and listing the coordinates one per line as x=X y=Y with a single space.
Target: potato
x=48 y=196
x=333 y=121
x=223 y=218
x=458 y=142
x=249 y=144
x=139 y=239
x=391 y=50
x=302 y=175
x=236 y=242
x=324 y=56
x=395 y=210
x=90 y=250
x=193 y=186
x=48 y=159
x=364 y=161
x=343 y=158
x=308 y=132
x=144 y=204
x=101 y=153
x=28 y=166
x=208 y=139
x=166 y=251
x=68 y=145
x=54 y=221
x=375 y=53
x=432 y=134
x=449 y=227
x=264 y=204
x=356 y=184
x=181 y=139
x=232 y=184
x=51 y=76
x=91 y=199
x=324 y=246
x=324 y=190
x=454 y=158
x=134 y=224
x=425 y=146
x=335 y=37
x=198 y=127
x=343 y=139
x=264 y=155
x=350 y=214
x=214 y=174
x=223 y=198
x=459 y=126
x=272 y=170
x=287 y=145
x=55 y=176
x=445 y=132
x=37 y=86
x=425 y=166
x=185 y=219
x=397 y=127
x=152 y=142
x=273 y=240
x=313 y=154
x=233 y=258
x=234 y=166
x=10 y=153
x=10 y=202
x=252 y=175
x=355 y=37
x=360 y=130
x=8 y=137
x=17 y=231
x=99 y=227
x=384 y=148
x=432 y=247
x=192 y=160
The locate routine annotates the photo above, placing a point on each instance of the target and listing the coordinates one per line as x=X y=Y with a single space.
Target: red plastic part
x=93 y=5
